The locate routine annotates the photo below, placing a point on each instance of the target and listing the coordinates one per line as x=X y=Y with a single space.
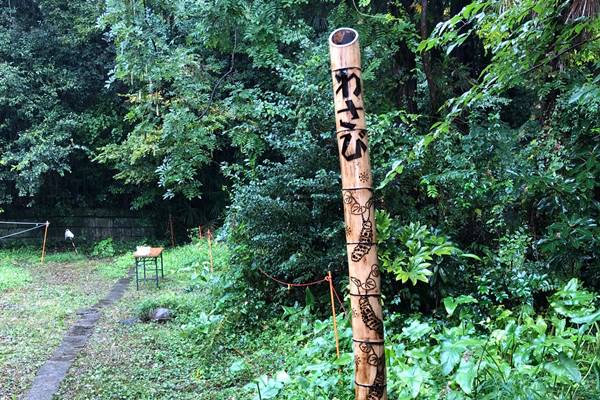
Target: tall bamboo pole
x=359 y=216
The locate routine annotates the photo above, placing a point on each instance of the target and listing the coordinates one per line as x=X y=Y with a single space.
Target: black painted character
x=352 y=109
x=360 y=147
x=344 y=80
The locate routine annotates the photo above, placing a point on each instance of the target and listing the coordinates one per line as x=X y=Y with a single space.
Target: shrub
x=104 y=248
x=287 y=220
x=512 y=355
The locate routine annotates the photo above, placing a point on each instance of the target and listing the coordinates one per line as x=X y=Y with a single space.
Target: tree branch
x=212 y=94
x=546 y=61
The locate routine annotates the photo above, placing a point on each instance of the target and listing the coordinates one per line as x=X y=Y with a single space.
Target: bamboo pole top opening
x=343 y=37
x=344 y=49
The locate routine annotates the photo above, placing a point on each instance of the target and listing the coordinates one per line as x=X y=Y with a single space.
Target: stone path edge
x=55 y=369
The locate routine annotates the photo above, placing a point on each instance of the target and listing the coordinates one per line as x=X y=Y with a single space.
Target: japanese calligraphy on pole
x=359 y=216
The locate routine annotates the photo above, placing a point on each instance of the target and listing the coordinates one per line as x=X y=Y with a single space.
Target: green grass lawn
x=197 y=355
x=187 y=358
x=38 y=303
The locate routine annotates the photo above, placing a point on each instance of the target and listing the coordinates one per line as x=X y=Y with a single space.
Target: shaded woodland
x=484 y=130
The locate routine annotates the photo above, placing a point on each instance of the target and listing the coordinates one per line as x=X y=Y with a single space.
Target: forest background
x=483 y=125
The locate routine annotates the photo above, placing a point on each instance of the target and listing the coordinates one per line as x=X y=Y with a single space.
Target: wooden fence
x=87 y=225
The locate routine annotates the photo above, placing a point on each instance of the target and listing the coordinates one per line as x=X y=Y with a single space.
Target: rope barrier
x=338 y=299
x=21 y=223
x=329 y=279
x=288 y=284
x=20 y=232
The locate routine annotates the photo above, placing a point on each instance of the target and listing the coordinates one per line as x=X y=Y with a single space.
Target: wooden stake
x=74 y=248
x=199 y=231
x=171 y=230
x=335 y=331
x=210 y=254
x=44 y=242
x=359 y=216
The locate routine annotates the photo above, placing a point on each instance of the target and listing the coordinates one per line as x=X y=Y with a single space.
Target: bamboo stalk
x=359 y=216
x=44 y=242
x=335 y=331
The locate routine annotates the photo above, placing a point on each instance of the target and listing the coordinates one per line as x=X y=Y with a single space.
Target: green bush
x=104 y=248
x=511 y=355
x=287 y=219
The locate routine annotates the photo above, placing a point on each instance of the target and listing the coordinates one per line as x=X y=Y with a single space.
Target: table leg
x=145 y=278
x=162 y=272
x=156 y=270
x=137 y=281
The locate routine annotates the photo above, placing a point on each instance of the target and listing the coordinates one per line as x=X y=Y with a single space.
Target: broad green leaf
x=569 y=366
x=465 y=375
x=309 y=298
x=451 y=303
x=587 y=319
x=397 y=169
x=237 y=366
x=469 y=255
x=282 y=376
x=416 y=330
x=564 y=367
x=345 y=359
x=414 y=379
x=450 y=357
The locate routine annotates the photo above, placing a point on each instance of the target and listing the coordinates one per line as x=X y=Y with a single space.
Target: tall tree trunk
x=426 y=56
x=404 y=64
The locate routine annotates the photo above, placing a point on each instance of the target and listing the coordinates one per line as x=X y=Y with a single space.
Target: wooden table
x=140 y=260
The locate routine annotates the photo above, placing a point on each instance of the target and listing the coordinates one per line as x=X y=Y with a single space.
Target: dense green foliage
x=183 y=99
x=513 y=355
x=484 y=127
x=54 y=107
x=510 y=353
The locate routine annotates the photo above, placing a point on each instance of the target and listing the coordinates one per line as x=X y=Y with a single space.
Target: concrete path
x=51 y=374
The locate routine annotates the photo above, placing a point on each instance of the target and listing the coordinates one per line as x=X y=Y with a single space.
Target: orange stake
x=210 y=254
x=335 y=331
x=44 y=243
